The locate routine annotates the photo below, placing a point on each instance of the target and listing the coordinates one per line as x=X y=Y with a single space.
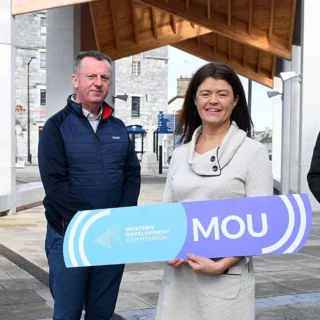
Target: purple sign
x=212 y=229
x=261 y=225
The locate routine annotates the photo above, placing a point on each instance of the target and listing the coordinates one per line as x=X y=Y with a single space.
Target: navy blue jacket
x=83 y=170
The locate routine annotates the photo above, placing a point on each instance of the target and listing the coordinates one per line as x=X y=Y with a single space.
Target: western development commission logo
x=221 y=228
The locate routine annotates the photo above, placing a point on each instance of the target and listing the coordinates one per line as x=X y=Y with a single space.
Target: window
x=135 y=107
x=43 y=60
x=43 y=97
x=43 y=25
x=136 y=65
x=136 y=68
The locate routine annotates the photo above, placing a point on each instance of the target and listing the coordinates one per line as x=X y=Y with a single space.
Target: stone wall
x=31 y=40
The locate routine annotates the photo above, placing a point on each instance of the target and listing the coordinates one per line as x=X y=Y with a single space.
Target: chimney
x=182 y=85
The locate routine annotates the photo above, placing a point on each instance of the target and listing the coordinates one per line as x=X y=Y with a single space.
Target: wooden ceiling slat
x=114 y=22
x=238 y=31
x=229 y=13
x=250 y=16
x=244 y=58
x=230 y=50
x=271 y=20
x=188 y=5
x=135 y=23
x=209 y=9
x=274 y=61
x=293 y=14
x=259 y=61
x=174 y=24
x=154 y=23
x=214 y=43
x=199 y=41
x=206 y=53
x=94 y=26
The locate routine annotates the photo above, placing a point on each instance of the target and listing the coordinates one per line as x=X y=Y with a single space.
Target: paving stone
x=22 y=284
x=28 y=311
x=289 y=275
x=279 y=313
x=311 y=251
x=308 y=285
x=134 y=314
x=128 y=302
x=4 y=275
x=5 y=263
x=139 y=286
x=139 y=276
x=156 y=282
x=17 y=273
x=136 y=267
x=19 y=297
x=155 y=265
x=44 y=293
x=149 y=298
x=273 y=289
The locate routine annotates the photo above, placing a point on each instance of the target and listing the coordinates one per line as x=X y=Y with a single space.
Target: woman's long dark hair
x=189 y=118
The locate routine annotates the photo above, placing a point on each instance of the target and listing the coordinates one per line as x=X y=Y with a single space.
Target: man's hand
x=204 y=265
x=176 y=263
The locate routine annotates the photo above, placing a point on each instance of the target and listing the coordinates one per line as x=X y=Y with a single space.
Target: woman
x=217 y=160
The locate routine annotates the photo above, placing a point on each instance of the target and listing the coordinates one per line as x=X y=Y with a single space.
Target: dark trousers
x=94 y=287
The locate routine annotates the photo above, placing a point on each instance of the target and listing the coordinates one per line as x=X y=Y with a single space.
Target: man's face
x=92 y=81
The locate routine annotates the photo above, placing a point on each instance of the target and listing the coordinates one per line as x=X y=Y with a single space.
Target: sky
x=183 y=64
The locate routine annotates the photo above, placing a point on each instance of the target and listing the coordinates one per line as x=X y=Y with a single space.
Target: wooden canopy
x=246 y=34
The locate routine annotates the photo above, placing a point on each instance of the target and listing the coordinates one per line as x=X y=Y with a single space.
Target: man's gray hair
x=91 y=53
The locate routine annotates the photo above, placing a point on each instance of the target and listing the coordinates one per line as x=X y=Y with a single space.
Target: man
x=314 y=172
x=86 y=161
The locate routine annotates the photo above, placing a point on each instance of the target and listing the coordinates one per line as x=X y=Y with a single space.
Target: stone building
x=143 y=77
x=31 y=49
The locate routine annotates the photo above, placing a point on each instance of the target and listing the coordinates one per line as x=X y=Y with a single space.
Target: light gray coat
x=239 y=168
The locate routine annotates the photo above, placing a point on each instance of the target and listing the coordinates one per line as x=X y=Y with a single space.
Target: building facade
x=30 y=75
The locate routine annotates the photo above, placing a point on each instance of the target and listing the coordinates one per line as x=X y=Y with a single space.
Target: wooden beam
x=192 y=25
x=173 y=21
x=250 y=16
x=199 y=41
x=25 y=6
x=209 y=9
x=229 y=13
x=259 y=61
x=114 y=23
x=293 y=15
x=189 y=47
x=244 y=58
x=95 y=31
x=167 y=37
x=230 y=50
x=238 y=31
x=271 y=20
x=274 y=61
x=188 y=4
x=135 y=22
x=214 y=43
x=154 y=23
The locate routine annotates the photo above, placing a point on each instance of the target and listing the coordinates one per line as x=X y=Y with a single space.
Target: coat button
x=214 y=168
x=213 y=159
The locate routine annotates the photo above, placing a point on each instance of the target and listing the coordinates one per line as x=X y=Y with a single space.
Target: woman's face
x=215 y=102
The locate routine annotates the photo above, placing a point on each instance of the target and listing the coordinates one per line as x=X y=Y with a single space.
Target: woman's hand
x=176 y=263
x=204 y=265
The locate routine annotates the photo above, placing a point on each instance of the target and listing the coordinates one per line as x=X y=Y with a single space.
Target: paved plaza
x=287 y=286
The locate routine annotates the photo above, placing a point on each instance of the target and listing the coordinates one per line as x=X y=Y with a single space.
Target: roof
x=246 y=34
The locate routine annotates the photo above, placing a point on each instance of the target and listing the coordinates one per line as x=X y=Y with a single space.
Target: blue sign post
x=167 y=123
